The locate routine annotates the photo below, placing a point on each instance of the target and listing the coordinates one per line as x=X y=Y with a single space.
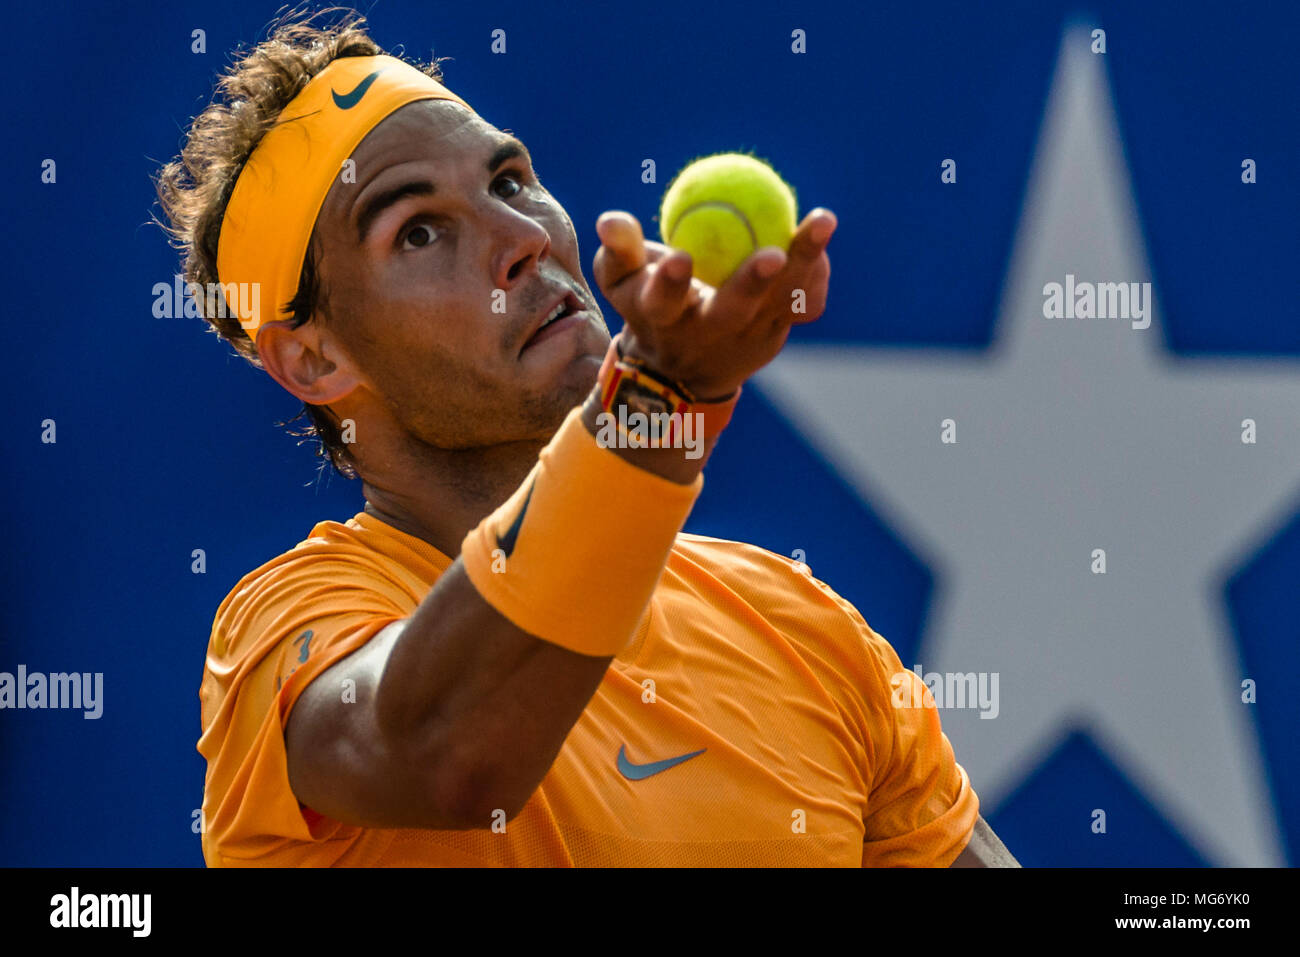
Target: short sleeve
x=270 y=640
x=921 y=807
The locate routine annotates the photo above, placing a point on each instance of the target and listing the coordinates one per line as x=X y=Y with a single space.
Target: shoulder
x=298 y=613
x=760 y=571
x=326 y=554
x=803 y=607
x=346 y=569
x=727 y=557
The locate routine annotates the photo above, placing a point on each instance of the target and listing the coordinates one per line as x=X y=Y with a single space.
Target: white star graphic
x=1073 y=435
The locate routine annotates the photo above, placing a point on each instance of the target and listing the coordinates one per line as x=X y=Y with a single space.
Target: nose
x=523 y=244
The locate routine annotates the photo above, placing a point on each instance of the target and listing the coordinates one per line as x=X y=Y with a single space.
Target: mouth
x=565 y=313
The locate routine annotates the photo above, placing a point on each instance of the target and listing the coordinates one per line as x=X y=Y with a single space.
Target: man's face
x=439 y=264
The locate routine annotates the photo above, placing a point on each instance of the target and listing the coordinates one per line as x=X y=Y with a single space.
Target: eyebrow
x=388 y=197
x=508 y=149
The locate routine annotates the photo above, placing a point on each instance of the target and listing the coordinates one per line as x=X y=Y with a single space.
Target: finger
x=656 y=251
x=812 y=236
x=740 y=299
x=622 y=250
x=803 y=281
x=815 y=282
x=669 y=288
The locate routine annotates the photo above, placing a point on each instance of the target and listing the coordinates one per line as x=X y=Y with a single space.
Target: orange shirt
x=779 y=691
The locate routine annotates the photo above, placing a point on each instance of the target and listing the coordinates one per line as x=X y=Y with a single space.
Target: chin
x=573 y=374
x=540 y=416
x=576 y=386
x=568 y=375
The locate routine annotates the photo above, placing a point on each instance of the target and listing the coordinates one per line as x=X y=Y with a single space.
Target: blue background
x=167 y=443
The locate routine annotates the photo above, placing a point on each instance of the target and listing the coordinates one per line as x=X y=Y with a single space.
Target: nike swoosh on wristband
x=507 y=541
x=346 y=101
x=638 y=772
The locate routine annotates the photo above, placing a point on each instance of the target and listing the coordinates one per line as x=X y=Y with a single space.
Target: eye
x=514 y=176
x=418 y=236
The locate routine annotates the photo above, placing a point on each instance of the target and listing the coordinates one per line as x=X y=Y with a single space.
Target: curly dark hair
x=194 y=188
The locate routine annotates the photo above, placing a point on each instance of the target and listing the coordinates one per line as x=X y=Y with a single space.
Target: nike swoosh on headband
x=346 y=101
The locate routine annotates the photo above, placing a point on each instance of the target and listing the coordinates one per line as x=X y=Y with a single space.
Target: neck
x=440 y=495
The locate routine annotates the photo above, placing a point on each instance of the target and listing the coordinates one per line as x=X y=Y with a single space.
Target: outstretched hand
x=710 y=340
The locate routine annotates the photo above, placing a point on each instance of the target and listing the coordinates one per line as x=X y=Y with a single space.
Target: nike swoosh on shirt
x=507 y=541
x=346 y=101
x=638 y=772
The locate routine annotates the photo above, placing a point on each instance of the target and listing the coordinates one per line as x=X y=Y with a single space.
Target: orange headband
x=279 y=193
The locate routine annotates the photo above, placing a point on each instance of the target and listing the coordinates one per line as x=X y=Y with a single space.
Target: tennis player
x=512 y=655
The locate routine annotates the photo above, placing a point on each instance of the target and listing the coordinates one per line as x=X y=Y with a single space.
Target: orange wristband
x=575 y=554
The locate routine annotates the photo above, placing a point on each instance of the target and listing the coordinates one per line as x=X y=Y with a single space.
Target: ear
x=309 y=363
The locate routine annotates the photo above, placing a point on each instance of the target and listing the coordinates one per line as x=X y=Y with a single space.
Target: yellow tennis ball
x=722 y=208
